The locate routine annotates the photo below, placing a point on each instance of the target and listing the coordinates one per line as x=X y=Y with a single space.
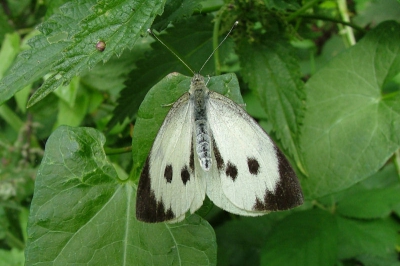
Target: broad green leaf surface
x=118 y=23
x=68 y=93
x=375 y=197
x=152 y=111
x=366 y=237
x=82 y=214
x=370 y=203
x=351 y=127
x=274 y=75
x=68 y=44
x=370 y=260
x=9 y=49
x=46 y=49
x=12 y=257
x=174 y=11
x=306 y=238
x=240 y=241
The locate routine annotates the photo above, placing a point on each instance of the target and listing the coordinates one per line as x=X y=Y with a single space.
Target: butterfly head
x=197 y=80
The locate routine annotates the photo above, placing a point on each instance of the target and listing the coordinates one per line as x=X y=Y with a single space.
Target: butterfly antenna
x=177 y=56
x=208 y=59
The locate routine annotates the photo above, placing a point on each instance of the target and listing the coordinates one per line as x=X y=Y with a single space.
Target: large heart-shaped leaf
x=351 y=126
x=83 y=214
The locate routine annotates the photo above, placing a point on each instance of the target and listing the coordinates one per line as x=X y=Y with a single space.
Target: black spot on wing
x=168 y=173
x=191 y=159
x=231 y=171
x=254 y=166
x=287 y=192
x=185 y=175
x=148 y=209
x=217 y=154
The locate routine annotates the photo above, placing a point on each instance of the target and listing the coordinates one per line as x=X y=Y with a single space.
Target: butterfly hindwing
x=167 y=187
x=254 y=175
x=216 y=193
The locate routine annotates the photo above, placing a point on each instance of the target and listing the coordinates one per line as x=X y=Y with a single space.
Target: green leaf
x=38 y=61
x=153 y=111
x=3 y=218
x=68 y=93
x=388 y=260
x=68 y=44
x=4 y=25
x=174 y=11
x=350 y=127
x=72 y=113
x=12 y=257
x=358 y=237
x=273 y=73
x=365 y=202
x=117 y=23
x=82 y=214
x=11 y=118
x=240 y=241
x=9 y=49
x=304 y=238
x=110 y=76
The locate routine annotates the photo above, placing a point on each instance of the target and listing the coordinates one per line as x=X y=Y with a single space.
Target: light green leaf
x=11 y=118
x=68 y=93
x=73 y=115
x=240 y=240
x=117 y=23
x=358 y=237
x=152 y=111
x=82 y=213
x=305 y=238
x=68 y=44
x=9 y=49
x=350 y=126
x=38 y=61
x=371 y=260
x=12 y=257
x=365 y=202
x=174 y=11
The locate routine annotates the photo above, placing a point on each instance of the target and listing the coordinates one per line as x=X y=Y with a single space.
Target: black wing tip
x=287 y=193
x=148 y=209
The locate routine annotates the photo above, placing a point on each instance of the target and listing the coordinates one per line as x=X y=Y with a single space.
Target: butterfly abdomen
x=203 y=148
x=199 y=96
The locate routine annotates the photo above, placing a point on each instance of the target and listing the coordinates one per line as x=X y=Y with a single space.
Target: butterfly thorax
x=199 y=97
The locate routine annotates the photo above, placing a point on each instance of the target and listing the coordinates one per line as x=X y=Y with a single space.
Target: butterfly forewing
x=167 y=186
x=255 y=176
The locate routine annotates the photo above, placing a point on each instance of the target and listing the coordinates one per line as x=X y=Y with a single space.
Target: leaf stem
x=301 y=10
x=396 y=159
x=346 y=30
x=11 y=118
x=13 y=241
x=334 y=20
x=215 y=45
x=209 y=9
x=112 y=151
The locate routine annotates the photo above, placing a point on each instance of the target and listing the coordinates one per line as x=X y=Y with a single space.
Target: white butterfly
x=209 y=145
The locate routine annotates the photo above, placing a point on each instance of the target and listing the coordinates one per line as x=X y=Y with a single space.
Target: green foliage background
x=322 y=77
